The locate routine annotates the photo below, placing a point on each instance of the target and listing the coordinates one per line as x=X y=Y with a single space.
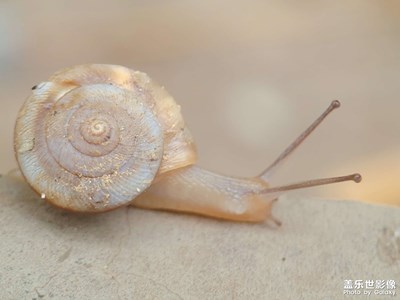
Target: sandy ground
x=138 y=254
x=249 y=75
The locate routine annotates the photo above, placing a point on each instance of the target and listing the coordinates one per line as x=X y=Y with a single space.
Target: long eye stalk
x=314 y=182
x=289 y=150
x=266 y=174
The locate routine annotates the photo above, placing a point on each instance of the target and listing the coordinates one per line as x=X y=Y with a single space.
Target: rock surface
x=137 y=254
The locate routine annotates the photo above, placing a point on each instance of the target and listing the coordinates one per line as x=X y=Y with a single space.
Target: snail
x=97 y=137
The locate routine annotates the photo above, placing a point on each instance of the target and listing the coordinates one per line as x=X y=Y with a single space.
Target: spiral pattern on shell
x=90 y=147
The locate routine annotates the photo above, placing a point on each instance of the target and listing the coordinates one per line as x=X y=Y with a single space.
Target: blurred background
x=249 y=75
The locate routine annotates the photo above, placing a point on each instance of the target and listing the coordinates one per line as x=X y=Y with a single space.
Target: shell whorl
x=91 y=140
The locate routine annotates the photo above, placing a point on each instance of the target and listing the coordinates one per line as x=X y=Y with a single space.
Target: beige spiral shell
x=93 y=137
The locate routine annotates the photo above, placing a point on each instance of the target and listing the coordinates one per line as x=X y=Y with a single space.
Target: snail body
x=97 y=137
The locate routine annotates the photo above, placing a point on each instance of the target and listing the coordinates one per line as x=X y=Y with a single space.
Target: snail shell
x=93 y=137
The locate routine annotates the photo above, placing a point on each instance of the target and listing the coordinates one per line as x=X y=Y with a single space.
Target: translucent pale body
x=199 y=191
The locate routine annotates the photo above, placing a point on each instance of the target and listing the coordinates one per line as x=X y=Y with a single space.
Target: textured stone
x=137 y=254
